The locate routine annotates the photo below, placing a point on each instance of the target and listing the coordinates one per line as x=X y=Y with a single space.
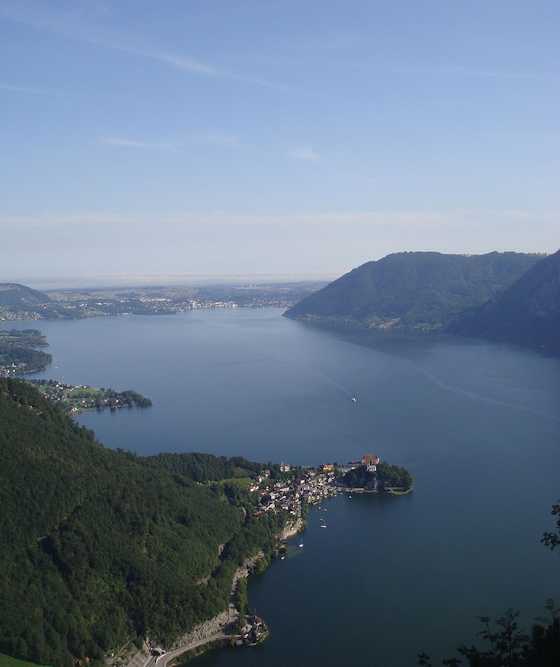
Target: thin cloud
x=124 y=142
x=305 y=153
x=181 y=62
x=380 y=217
x=28 y=90
x=76 y=26
x=217 y=139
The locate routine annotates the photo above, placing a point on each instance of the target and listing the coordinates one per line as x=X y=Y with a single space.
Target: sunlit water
x=478 y=425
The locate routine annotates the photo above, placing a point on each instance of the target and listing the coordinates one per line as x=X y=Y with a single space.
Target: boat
x=300 y=545
x=354 y=399
x=324 y=525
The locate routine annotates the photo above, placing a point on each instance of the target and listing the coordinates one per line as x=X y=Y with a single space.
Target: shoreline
x=212 y=633
x=389 y=491
x=223 y=630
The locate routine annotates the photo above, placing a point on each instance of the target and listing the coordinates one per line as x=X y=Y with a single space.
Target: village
x=298 y=487
x=73 y=399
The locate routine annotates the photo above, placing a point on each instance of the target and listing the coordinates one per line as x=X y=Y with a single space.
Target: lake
x=477 y=424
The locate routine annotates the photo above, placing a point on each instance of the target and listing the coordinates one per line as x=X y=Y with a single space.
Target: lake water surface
x=478 y=425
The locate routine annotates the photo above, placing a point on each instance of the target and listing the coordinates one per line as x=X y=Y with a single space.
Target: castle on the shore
x=370 y=461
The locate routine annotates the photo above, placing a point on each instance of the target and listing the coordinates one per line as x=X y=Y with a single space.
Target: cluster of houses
x=253 y=631
x=12 y=370
x=309 y=485
x=195 y=304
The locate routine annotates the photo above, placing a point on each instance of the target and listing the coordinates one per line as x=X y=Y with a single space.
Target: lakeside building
x=370 y=461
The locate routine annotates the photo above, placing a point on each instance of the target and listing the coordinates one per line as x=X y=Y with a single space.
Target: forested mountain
x=527 y=313
x=99 y=546
x=20 y=296
x=412 y=291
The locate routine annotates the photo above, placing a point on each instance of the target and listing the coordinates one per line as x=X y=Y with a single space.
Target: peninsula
x=21 y=352
x=73 y=399
x=149 y=554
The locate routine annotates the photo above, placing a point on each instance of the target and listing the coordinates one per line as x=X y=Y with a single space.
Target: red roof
x=370 y=459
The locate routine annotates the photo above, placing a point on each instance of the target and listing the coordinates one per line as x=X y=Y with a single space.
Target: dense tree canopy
x=101 y=546
x=528 y=313
x=412 y=291
x=386 y=476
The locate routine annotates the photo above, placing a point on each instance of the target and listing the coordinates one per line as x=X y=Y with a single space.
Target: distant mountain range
x=511 y=297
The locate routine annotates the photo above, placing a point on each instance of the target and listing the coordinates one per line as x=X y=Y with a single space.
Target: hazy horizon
x=104 y=281
x=123 y=280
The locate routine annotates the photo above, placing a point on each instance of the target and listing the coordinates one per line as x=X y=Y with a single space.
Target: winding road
x=166 y=659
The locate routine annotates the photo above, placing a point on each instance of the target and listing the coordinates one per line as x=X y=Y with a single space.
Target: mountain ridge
x=21 y=296
x=417 y=292
x=526 y=314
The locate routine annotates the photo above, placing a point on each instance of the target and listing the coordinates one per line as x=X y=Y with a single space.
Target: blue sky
x=281 y=138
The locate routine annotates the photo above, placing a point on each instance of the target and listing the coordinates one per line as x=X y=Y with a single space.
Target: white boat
x=354 y=399
x=300 y=545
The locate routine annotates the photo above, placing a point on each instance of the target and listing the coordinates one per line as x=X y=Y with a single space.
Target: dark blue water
x=478 y=425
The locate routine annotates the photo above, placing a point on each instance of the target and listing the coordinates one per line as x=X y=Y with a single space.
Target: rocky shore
x=206 y=635
x=291 y=529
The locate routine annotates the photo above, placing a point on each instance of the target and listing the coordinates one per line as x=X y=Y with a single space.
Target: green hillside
x=528 y=313
x=412 y=291
x=6 y=661
x=100 y=546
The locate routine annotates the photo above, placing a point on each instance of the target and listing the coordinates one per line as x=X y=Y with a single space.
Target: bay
x=477 y=424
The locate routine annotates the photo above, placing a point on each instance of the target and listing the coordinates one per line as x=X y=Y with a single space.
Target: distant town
x=18 y=302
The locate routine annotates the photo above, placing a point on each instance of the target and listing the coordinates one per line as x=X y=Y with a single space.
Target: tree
x=552 y=540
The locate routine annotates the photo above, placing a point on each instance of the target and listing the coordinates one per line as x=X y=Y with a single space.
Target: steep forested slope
x=417 y=291
x=528 y=313
x=99 y=546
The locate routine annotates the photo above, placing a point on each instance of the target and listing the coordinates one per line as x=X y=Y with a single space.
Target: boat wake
x=483 y=399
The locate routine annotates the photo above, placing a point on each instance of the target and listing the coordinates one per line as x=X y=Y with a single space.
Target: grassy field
x=6 y=661
x=241 y=482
